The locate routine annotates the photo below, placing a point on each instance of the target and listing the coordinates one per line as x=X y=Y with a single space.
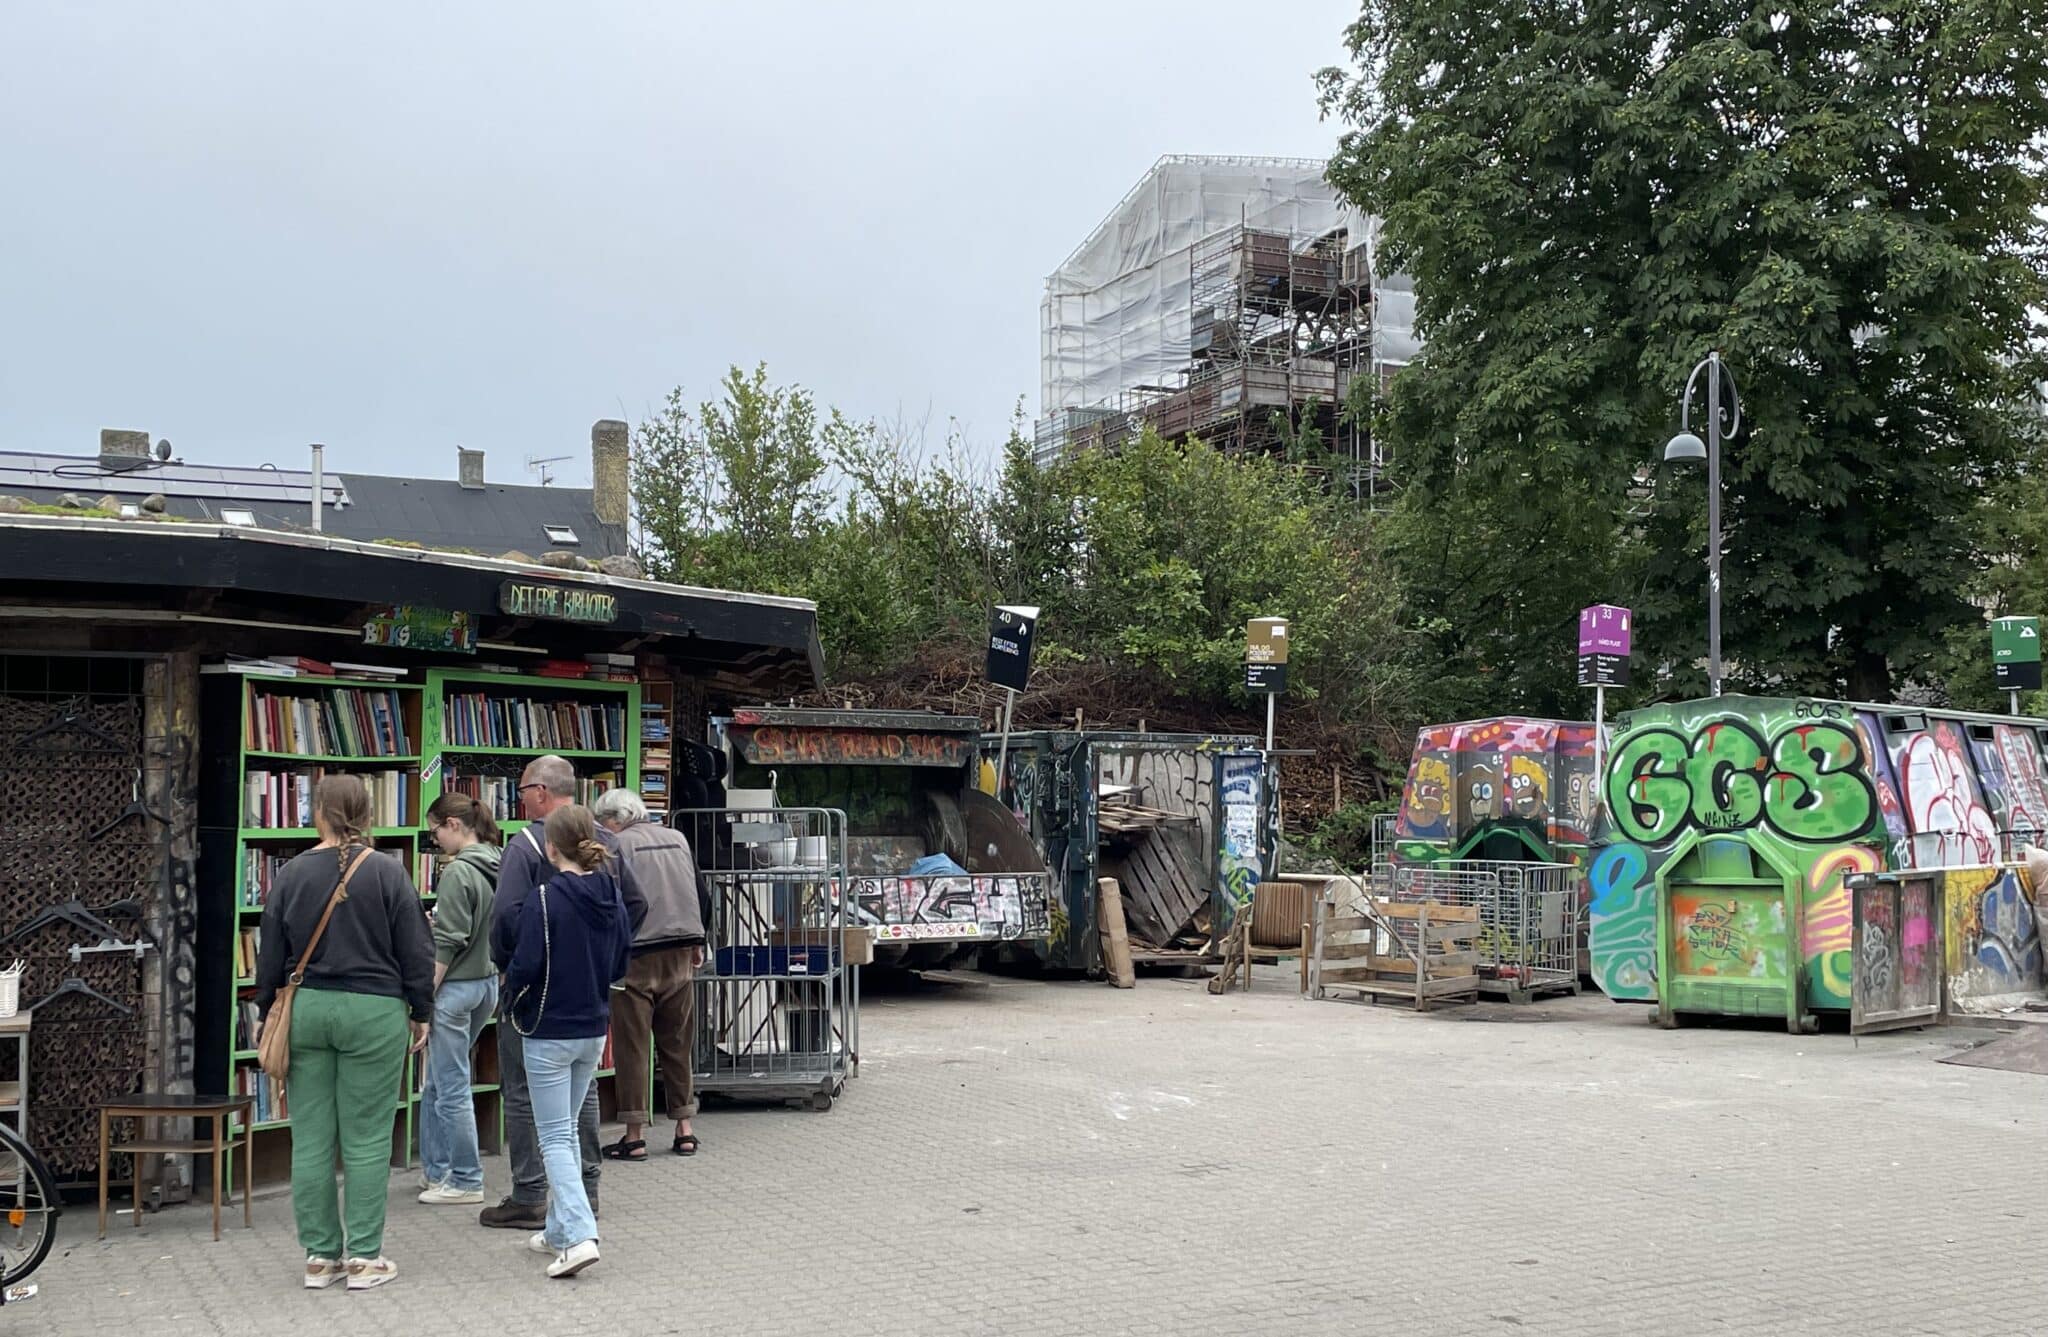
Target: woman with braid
x=368 y=993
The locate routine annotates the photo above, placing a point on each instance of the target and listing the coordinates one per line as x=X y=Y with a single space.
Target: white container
x=10 y=991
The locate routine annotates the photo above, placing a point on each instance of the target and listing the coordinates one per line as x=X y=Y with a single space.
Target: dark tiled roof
x=495 y=518
x=436 y=513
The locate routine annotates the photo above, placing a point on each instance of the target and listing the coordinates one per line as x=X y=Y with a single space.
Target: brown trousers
x=656 y=1001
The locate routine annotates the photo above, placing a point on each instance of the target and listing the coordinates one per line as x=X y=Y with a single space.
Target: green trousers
x=348 y=1057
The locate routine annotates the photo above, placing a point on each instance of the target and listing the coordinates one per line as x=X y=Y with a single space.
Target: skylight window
x=560 y=534
x=236 y=516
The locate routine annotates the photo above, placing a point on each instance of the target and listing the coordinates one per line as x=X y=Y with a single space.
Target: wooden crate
x=1416 y=950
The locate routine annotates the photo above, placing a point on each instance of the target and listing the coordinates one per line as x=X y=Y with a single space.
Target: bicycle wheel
x=29 y=1207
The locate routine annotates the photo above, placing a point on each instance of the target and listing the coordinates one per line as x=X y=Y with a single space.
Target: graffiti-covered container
x=1510 y=788
x=1731 y=825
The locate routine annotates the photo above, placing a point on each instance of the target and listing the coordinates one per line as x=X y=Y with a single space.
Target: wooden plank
x=1347 y=924
x=1445 y=988
x=1116 y=943
x=1347 y=951
x=1401 y=965
x=1413 y=909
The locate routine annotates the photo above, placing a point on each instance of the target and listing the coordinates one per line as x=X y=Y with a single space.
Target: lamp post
x=1686 y=447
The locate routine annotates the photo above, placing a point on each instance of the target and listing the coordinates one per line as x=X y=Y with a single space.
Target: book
x=369 y=671
x=610 y=659
x=283 y=800
x=334 y=721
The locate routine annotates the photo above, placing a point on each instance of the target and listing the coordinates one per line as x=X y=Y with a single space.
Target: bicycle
x=29 y=1208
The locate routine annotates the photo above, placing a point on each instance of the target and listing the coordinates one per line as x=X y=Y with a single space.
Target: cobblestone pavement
x=1024 y=1157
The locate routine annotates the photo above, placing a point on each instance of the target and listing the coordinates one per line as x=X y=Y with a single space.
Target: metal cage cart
x=1528 y=918
x=778 y=1003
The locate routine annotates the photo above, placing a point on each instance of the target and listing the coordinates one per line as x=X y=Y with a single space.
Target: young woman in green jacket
x=465 y=997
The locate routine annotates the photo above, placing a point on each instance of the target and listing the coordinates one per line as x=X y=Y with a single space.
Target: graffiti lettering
x=770 y=745
x=1713 y=934
x=1806 y=785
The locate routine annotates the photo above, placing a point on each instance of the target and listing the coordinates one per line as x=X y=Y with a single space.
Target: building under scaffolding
x=1232 y=299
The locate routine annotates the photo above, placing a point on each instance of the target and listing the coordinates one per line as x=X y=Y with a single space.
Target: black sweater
x=377 y=943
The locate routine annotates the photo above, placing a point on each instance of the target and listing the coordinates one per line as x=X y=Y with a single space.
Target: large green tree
x=1845 y=199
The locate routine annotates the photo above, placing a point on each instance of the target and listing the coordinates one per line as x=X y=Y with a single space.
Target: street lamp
x=1685 y=448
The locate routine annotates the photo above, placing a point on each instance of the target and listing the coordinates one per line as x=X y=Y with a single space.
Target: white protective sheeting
x=1117 y=314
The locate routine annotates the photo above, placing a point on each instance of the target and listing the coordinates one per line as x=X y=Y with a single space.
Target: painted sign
x=1604 y=640
x=525 y=598
x=412 y=627
x=1265 y=655
x=1011 y=629
x=2016 y=653
x=781 y=745
x=1238 y=840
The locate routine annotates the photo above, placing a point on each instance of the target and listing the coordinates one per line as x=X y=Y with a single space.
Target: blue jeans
x=558 y=1073
x=448 y=1147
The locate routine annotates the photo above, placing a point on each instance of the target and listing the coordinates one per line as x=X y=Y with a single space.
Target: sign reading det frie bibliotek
x=561 y=603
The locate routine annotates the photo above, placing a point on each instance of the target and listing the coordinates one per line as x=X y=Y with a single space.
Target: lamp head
x=1684 y=448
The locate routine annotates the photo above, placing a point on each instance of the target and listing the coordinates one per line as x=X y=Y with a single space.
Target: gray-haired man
x=658 y=998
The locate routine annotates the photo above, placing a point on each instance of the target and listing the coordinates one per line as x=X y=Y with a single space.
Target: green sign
x=2016 y=653
x=524 y=598
x=411 y=627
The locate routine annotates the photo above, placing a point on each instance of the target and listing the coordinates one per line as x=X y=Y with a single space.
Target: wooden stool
x=150 y=1106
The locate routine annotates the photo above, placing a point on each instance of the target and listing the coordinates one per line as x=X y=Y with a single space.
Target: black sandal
x=622 y=1150
x=679 y=1147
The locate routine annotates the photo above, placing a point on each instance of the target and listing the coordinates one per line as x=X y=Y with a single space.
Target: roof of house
x=441 y=513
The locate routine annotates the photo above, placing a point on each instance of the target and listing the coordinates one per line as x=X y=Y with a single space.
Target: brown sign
x=561 y=603
x=774 y=745
x=1265 y=640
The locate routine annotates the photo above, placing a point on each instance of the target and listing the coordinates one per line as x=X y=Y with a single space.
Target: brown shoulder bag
x=274 y=1050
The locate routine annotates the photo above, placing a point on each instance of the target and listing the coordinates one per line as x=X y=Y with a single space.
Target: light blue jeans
x=558 y=1073
x=448 y=1144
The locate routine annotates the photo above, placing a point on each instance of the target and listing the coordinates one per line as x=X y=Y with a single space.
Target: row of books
x=299 y=666
x=285 y=798
x=336 y=722
x=248 y=943
x=245 y=1025
x=613 y=667
x=499 y=794
x=475 y=719
x=260 y=868
x=268 y=1091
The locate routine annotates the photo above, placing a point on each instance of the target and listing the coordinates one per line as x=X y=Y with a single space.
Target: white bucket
x=10 y=991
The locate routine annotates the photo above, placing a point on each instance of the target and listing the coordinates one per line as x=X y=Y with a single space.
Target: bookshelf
x=657 y=741
x=291 y=731
x=456 y=726
x=480 y=731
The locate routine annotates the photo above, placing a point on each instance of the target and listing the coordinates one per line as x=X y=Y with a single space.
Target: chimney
x=469 y=468
x=608 y=488
x=123 y=450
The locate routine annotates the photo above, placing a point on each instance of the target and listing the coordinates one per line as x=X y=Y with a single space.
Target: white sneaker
x=539 y=1243
x=447 y=1195
x=427 y=1182
x=323 y=1272
x=368 y=1273
x=573 y=1260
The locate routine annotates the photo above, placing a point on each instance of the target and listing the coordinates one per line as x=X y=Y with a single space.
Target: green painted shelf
x=328 y=757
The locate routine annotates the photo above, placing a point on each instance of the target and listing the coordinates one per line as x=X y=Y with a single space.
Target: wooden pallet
x=1415 y=950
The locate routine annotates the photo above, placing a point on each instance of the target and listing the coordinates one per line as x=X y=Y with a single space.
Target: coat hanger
x=75 y=913
x=67 y=719
x=76 y=985
x=136 y=808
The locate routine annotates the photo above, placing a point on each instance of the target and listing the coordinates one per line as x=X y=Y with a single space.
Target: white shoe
x=323 y=1272
x=427 y=1183
x=447 y=1195
x=368 y=1273
x=539 y=1243
x=573 y=1260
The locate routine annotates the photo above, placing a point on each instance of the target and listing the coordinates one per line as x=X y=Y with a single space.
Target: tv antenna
x=537 y=465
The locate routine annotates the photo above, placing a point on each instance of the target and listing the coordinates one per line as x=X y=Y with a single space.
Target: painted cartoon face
x=1578 y=798
x=1429 y=792
x=1482 y=792
x=1528 y=788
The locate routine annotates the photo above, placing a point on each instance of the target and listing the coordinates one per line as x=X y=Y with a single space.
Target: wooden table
x=150 y=1106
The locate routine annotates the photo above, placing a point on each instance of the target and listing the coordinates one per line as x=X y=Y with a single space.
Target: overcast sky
x=395 y=228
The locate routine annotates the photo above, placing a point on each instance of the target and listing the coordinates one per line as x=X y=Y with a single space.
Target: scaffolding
x=1230 y=299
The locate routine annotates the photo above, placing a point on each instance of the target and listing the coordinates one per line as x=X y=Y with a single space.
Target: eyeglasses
x=531 y=785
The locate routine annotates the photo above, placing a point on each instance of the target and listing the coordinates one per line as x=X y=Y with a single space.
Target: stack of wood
x=1119 y=816
x=1415 y=950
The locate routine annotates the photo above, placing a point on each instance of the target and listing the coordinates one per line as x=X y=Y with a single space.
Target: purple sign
x=1603 y=630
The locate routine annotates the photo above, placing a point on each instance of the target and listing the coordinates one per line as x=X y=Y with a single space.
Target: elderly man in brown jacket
x=657 y=1000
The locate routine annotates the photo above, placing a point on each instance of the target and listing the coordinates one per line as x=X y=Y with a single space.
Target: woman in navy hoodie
x=573 y=941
